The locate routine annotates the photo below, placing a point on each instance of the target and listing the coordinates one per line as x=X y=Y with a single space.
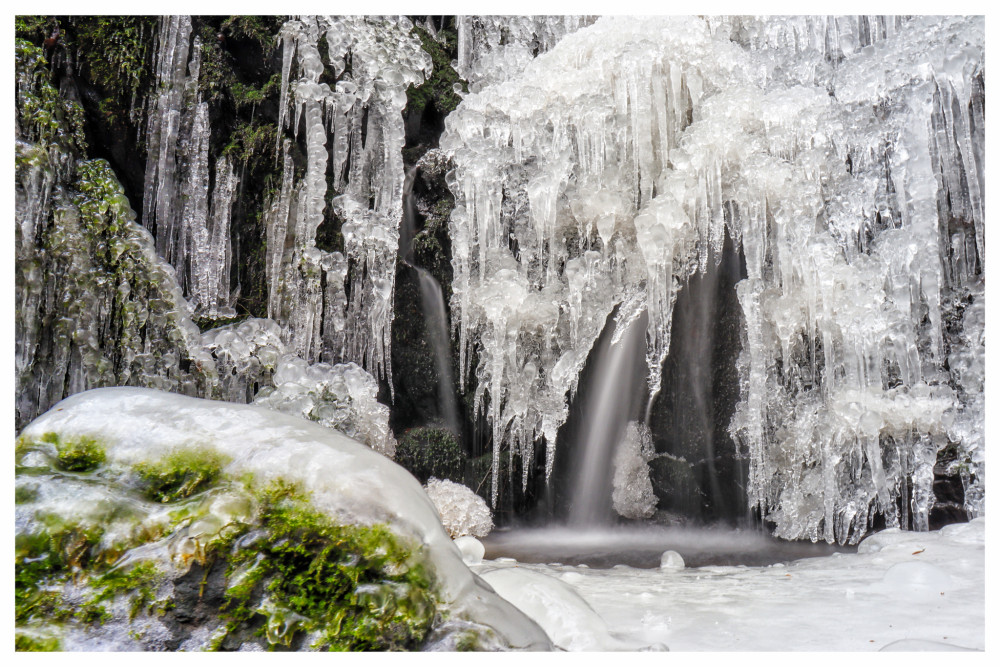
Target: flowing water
x=616 y=382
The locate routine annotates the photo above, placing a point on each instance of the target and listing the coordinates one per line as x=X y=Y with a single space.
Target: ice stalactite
x=842 y=155
x=189 y=219
x=354 y=137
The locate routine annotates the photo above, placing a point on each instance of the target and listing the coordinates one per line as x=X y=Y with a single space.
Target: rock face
x=148 y=520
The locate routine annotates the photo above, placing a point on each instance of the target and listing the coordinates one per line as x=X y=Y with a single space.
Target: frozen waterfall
x=845 y=158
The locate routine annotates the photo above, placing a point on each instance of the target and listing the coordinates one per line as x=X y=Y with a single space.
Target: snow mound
x=462 y=511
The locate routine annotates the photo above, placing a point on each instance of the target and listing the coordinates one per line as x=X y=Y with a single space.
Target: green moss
x=43 y=113
x=81 y=454
x=439 y=88
x=261 y=29
x=115 y=53
x=138 y=582
x=252 y=144
x=180 y=474
x=35 y=29
x=431 y=452
x=359 y=587
x=245 y=95
x=216 y=76
x=36 y=640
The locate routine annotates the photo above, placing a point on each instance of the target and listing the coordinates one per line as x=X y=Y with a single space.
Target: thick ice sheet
x=902 y=591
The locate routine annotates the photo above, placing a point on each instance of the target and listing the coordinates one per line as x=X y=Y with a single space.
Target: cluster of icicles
x=844 y=157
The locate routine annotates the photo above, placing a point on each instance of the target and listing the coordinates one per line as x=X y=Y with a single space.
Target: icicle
x=820 y=144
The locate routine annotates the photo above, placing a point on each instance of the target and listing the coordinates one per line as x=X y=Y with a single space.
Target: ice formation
x=341 y=397
x=843 y=156
x=353 y=129
x=633 y=496
x=471 y=548
x=462 y=511
x=566 y=617
x=492 y=49
x=95 y=305
x=189 y=219
x=342 y=479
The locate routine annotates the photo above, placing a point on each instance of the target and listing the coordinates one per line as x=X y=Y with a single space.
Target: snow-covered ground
x=901 y=591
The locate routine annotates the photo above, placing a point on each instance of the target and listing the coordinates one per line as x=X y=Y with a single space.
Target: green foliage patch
x=81 y=454
x=180 y=474
x=358 y=587
x=439 y=88
x=428 y=452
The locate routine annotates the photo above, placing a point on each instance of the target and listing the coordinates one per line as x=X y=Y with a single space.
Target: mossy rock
x=431 y=452
x=288 y=576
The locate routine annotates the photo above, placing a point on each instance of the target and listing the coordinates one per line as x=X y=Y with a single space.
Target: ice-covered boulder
x=145 y=519
x=462 y=511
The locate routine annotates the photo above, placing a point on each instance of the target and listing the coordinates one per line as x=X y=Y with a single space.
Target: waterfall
x=614 y=386
x=436 y=319
x=433 y=311
x=842 y=155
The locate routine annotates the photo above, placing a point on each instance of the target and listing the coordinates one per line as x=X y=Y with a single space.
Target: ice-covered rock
x=232 y=465
x=569 y=621
x=462 y=511
x=633 y=496
x=471 y=548
x=671 y=560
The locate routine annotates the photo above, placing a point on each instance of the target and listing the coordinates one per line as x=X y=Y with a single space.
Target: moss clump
x=45 y=116
x=439 y=88
x=356 y=587
x=431 y=452
x=81 y=454
x=180 y=474
x=115 y=54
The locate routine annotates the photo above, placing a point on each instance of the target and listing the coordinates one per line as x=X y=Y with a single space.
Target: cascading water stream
x=433 y=310
x=617 y=379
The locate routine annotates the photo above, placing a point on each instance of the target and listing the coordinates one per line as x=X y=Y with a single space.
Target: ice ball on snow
x=462 y=511
x=471 y=548
x=671 y=560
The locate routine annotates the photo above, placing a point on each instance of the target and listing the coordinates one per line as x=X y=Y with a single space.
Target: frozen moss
x=36 y=639
x=431 y=452
x=180 y=474
x=345 y=587
x=138 y=582
x=80 y=454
